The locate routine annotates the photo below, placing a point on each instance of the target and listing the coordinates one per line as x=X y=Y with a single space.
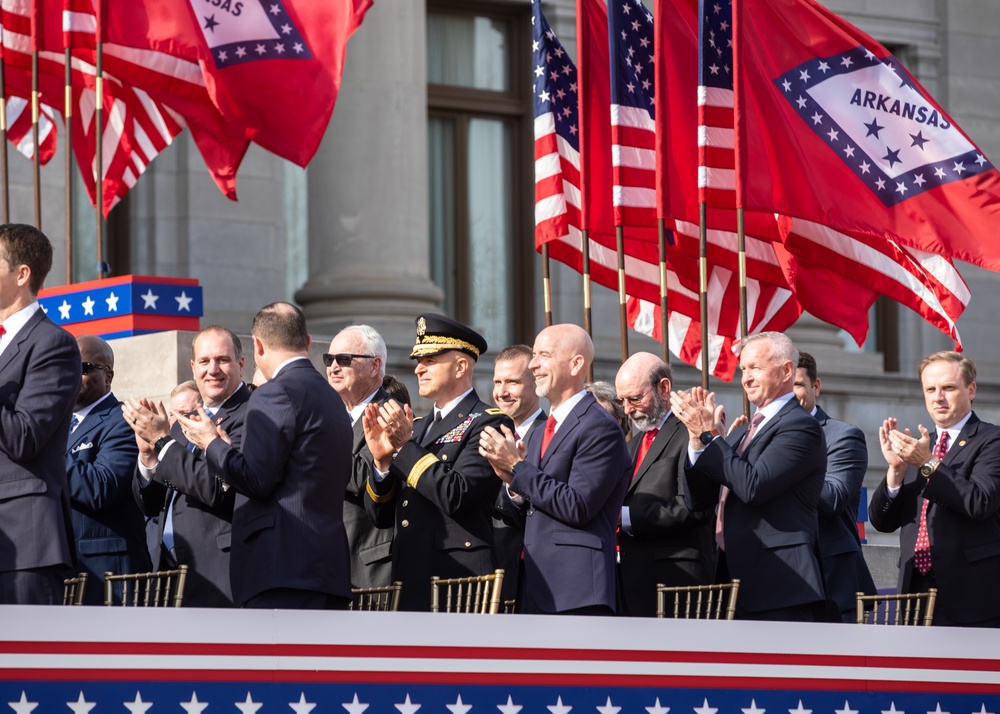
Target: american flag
x=557 y=135
x=716 y=156
x=633 y=126
x=557 y=196
x=19 y=129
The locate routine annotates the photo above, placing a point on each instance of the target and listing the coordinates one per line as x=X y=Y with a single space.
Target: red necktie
x=922 y=549
x=550 y=431
x=3 y=330
x=647 y=441
x=744 y=444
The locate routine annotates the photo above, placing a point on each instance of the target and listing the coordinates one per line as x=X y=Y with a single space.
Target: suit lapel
x=93 y=420
x=459 y=414
x=571 y=421
x=359 y=428
x=770 y=425
x=11 y=351
x=670 y=427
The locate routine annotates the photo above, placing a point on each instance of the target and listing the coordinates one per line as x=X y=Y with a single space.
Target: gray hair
x=782 y=347
x=374 y=343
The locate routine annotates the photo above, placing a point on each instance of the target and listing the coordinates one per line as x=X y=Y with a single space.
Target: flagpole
x=546 y=285
x=742 y=248
x=622 y=296
x=35 y=110
x=4 y=185
x=587 y=315
x=68 y=118
x=99 y=136
x=664 y=320
x=703 y=288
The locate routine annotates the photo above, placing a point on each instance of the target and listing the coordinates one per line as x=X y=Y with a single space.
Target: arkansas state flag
x=275 y=66
x=831 y=128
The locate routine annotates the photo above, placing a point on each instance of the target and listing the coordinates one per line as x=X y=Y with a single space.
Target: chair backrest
x=73 y=589
x=164 y=588
x=908 y=609
x=480 y=594
x=381 y=599
x=698 y=602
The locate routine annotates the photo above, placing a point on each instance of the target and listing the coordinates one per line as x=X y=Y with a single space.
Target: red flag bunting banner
x=19 y=129
x=832 y=129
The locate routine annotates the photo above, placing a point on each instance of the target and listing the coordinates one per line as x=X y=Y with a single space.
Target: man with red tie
x=661 y=540
x=942 y=490
x=568 y=482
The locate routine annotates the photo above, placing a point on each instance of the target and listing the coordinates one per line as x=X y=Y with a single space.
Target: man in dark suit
x=39 y=382
x=514 y=394
x=942 y=490
x=845 y=572
x=770 y=473
x=568 y=482
x=355 y=367
x=436 y=488
x=107 y=524
x=661 y=539
x=289 y=544
x=175 y=482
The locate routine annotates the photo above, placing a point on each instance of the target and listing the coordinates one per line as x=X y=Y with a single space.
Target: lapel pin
x=962 y=442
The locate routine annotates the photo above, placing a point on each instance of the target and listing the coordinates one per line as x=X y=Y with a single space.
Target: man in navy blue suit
x=845 y=572
x=39 y=382
x=107 y=523
x=289 y=547
x=767 y=478
x=567 y=483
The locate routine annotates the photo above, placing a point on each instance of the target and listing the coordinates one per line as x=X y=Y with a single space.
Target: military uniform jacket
x=963 y=523
x=440 y=494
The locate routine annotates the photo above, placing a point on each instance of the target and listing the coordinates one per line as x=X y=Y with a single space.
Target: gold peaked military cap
x=439 y=333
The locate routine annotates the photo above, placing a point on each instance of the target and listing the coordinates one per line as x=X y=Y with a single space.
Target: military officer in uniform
x=429 y=479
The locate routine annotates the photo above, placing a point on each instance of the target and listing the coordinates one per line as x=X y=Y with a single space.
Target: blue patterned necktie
x=74 y=423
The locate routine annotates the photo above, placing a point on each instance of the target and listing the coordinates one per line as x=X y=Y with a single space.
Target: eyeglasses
x=344 y=360
x=89 y=367
x=634 y=400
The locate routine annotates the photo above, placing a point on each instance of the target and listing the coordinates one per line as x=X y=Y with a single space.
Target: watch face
x=706 y=437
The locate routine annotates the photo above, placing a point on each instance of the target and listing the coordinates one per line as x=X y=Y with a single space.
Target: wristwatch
x=161 y=442
x=707 y=436
x=930 y=467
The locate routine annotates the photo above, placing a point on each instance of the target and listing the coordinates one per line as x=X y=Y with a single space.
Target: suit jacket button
x=405 y=503
x=468 y=544
x=444 y=457
x=405 y=523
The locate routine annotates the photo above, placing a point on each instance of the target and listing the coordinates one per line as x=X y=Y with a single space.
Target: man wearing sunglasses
x=436 y=488
x=100 y=457
x=40 y=374
x=661 y=540
x=355 y=367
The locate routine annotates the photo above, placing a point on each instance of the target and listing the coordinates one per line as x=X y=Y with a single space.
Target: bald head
x=561 y=358
x=643 y=385
x=98 y=369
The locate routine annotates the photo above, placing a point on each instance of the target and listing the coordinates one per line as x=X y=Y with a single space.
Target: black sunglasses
x=89 y=367
x=344 y=360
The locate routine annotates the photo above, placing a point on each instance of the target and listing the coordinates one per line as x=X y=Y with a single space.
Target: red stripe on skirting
x=494 y=653
x=518 y=679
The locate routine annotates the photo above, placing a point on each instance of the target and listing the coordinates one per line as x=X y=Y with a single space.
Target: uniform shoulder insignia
x=494 y=412
x=416 y=419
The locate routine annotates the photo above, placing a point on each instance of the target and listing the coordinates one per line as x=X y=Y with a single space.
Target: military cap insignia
x=421 y=327
x=455 y=435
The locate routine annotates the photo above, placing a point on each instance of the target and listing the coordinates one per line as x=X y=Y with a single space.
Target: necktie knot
x=437 y=416
x=74 y=422
x=3 y=330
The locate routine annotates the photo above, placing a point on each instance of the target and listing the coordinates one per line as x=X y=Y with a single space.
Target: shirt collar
x=954 y=430
x=359 y=408
x=287 y=362
x=563 y=410
x=450 y=406
x=82 y=413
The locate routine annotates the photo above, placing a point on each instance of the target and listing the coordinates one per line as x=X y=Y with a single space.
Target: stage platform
x=191 y=661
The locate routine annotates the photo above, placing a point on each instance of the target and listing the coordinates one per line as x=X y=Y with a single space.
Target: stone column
x=367 y=186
